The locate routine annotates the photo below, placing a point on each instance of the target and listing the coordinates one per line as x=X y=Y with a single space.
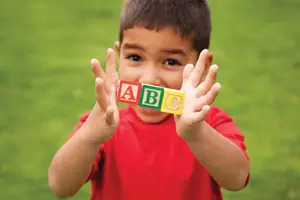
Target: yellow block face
x=172 y=102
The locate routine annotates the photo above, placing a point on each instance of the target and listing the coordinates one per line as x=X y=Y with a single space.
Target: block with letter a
x=151 y=96
x=129 y=92
x=172 y=101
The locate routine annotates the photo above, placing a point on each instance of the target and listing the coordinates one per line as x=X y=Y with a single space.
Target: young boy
x=137 y=153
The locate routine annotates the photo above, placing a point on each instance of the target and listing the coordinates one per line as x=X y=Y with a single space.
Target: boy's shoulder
x=217 y=116
x=215 y=113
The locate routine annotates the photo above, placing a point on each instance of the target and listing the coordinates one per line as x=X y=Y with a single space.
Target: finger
x=101 y=94
x=208 y=98
x=109 y=115
x=117 y=86
x=113 y=93
x=115 y=78
x=212 y=93
x=210 y=79
x=97 y=69
x=111 y=62
x=200 y=116
x=110 y=69
x=187 y=72
x=200 y=67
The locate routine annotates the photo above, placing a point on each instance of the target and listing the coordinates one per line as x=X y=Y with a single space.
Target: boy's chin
x=148 y=115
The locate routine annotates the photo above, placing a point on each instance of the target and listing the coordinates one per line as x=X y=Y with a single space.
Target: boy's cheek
x=122 y=69
x=128 y=73
x=173 y=79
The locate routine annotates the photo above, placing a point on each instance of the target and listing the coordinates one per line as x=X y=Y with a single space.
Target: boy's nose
x=150 y=76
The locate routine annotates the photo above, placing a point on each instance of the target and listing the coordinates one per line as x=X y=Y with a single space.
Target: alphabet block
x=129 y=92
x=151 y=96
x=172 y=101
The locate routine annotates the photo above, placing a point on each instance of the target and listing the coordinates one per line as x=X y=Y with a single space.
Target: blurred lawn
x=46 y=83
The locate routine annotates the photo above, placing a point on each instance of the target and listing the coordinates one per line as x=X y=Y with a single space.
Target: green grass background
x=46 y=83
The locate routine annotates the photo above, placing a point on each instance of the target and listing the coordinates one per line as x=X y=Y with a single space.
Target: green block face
x=151 y=97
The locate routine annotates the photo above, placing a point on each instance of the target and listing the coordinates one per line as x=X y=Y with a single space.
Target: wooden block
x=151 y=96
x=172 y=101
x=129 y=92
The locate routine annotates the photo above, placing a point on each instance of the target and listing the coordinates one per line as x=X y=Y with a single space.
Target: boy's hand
x=104 y=118
x=199 y=94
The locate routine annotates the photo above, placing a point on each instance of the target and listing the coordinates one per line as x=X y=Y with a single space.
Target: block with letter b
x=151 y=96
x=129 y=92
x=172 y=101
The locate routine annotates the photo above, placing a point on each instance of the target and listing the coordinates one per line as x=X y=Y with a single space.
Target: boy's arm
x=224 y=160
x=72 y=164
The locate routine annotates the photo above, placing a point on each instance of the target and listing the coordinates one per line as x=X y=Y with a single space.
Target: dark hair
x=187 y=17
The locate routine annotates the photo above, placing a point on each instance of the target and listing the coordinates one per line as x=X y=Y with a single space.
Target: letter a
x=128 y=92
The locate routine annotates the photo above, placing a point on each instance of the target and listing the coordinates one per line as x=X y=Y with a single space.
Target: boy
x=139 y=153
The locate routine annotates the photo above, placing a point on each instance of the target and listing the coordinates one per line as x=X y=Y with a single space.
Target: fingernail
x=205 y=50
x=99 y=80
x=215 y=67
x=206 y=107
x=93 y=61
x=190 y=65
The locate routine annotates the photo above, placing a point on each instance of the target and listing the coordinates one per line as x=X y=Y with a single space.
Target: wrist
x=95 y=129
x=90 y=136
x=197 y=132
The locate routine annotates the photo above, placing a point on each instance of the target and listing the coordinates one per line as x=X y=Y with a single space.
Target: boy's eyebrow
x=133 y=46
x=169 y=51
x=175 y=51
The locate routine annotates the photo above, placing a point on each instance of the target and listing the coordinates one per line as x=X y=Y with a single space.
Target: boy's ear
x=210 y=58
x=117 y=47
x=209 y=61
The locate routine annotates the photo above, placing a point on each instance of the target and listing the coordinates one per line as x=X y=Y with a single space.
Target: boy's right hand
x=104 y=118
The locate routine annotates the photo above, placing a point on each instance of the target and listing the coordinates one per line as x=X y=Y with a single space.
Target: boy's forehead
x=162 y=38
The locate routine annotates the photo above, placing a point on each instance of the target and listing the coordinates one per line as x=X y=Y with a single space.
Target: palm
x=198 y=94
x=106 y=107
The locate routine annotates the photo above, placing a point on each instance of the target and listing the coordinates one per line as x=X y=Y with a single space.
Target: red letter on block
x=129 y=92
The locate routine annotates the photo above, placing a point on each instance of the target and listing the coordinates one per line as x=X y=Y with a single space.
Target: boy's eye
x=134 y=58
x=172 y=62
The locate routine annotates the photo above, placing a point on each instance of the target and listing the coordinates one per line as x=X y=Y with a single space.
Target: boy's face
x=155 y=58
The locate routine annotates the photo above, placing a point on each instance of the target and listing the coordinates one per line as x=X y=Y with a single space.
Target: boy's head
x=157 y=39
x=189 y=18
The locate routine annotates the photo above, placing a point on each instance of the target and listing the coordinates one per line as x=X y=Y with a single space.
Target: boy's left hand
x=199 y=94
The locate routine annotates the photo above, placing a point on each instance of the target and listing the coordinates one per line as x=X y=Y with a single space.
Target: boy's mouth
x=148 y=111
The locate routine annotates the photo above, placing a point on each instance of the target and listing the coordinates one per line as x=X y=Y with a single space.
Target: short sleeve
x=100 y=155
x=224 y=124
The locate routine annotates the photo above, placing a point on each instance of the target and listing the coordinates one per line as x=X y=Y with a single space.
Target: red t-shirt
x=149 y=161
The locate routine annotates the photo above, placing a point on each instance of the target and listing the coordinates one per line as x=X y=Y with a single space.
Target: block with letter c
x=172 y=101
